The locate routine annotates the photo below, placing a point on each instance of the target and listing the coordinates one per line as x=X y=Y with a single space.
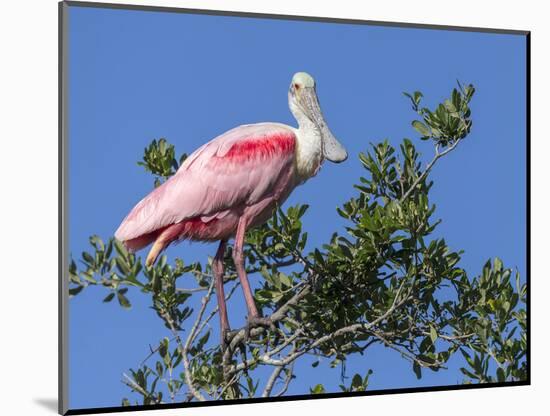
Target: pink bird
x=232 y=183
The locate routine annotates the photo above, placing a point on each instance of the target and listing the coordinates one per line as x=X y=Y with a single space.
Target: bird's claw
x=261 y=321
x=256 y=321
x=226 y=335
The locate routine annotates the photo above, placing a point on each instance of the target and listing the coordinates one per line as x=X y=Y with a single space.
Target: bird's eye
x=296 y=86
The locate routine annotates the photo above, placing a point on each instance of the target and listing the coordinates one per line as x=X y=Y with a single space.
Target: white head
x=303 y=100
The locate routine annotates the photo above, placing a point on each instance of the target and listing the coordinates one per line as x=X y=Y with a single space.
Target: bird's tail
x=140 y=242
x=163 y=238
x=143 y=241
x=157 y=248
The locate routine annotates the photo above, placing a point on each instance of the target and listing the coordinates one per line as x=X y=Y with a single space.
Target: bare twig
x=215 y=310
x=267 y=358
x=133 y=385
x=430 y=165
x=286 y=343
x=184 y=348
x=227 y=278
x=451 y=337
x=289 y=374
x=271 y=381
x=289 y=370
x=345 y=330
x=411 y=357
x=153 y=351
x=227 y=385
x=276 y=316
x=189 y=341
x=191 y=290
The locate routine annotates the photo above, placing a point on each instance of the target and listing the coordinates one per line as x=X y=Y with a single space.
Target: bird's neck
x=309 y=152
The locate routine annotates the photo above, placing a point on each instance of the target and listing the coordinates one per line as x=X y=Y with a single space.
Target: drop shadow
x=47 y=403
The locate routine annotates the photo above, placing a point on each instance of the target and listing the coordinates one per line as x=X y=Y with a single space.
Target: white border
x=28 y=206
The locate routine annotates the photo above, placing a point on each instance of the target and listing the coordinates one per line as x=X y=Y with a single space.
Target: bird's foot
x=226 y=337
x=256 y=321
x=261 y=321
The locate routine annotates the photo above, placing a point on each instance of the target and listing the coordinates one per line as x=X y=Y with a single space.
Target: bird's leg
x=218 y=271
x=254 y=318
x=238 y=258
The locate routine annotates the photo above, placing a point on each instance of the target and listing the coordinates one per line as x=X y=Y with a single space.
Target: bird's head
x=303 y=101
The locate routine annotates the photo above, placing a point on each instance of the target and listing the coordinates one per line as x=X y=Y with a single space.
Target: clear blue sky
x=135 y=76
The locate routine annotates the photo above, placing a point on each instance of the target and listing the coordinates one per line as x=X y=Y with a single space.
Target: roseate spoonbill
x=232 y=183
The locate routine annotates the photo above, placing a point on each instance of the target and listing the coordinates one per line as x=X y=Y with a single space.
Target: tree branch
x=428 y=168
x=184 y=348
x=266 y=358
x=275 y=317
x=345 y=330
x=290 y=373
x=271 y=381
x=133 y=385
x=190 y=338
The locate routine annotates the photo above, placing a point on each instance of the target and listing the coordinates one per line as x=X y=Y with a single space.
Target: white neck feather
x=309 y=152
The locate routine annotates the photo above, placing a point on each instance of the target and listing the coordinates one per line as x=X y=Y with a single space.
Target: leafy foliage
x=159 y=158
x=387 y=280
x=449 y=122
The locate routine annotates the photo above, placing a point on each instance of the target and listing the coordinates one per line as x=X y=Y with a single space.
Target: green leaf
x=122 y=266
x=285 y=280
x=417 y=370
x=123 y=300
x=160 y=369
x=450 y=106
x=163 y=347
x=425 y=344
x=501 y=377
x=88 y=277
x=120 y=249
x=75 y=291
x=357 y=382
x=421 y=128
x=109 y=297
x=433 y=334
x=318 y=389
x=497 y=264
x=88 y=258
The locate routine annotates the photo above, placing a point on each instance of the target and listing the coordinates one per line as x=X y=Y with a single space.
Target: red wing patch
x=262 y=147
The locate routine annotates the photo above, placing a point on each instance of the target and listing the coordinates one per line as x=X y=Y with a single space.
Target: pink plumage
x=245 y=169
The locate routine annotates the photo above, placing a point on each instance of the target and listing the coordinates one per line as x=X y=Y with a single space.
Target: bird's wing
x=237 y=168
